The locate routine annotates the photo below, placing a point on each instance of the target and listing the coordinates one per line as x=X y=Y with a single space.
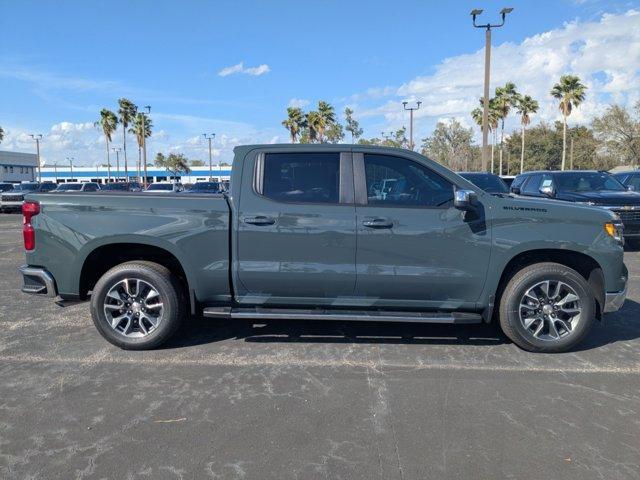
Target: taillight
x=29 y=210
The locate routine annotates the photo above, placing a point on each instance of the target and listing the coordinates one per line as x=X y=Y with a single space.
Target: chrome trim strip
x=43 y=275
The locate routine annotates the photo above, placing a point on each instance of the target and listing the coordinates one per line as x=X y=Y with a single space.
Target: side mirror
x=548 y=191
x=464 y=199
x=515 y=190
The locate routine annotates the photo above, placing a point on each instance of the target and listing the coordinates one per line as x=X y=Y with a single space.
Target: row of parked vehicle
x=12 y=195
x=616 y=192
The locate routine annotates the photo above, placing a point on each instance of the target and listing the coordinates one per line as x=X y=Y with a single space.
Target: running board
x=341 y=315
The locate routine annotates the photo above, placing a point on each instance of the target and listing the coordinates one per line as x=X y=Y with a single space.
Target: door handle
x=378 y=223
x=260 y=220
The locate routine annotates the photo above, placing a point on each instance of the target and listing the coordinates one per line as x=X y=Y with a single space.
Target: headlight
x=614 y=230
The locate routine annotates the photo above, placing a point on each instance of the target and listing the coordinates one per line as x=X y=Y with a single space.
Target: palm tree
x=108 y=122
x=571 y=92
x=294 y=123
x=1 y=134
x=525 y=107
x=505 y=99
x=141 y=123
x=328 y=116
x=315 y=126
x=127 y=111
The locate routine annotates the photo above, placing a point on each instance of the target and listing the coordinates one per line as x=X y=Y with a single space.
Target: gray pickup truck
x=306 y=232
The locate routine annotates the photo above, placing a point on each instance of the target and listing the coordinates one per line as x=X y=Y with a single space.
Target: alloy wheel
x=133 y=307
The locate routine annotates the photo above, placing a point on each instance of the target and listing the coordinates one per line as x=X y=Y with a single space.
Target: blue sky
x=60 y=62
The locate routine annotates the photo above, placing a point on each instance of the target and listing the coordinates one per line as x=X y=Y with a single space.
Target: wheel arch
x=585 y=265
x=101 y=258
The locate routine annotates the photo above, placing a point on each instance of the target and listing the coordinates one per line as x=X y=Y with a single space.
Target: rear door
x=414 y=248
x=296 y=234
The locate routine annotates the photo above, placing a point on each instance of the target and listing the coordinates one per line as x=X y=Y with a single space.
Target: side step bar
x=341 y=315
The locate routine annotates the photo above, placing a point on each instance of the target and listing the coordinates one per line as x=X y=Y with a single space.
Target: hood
x=608 y=198
x=552 y=208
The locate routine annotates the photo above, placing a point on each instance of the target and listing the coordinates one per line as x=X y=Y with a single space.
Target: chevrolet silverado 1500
x=306 y=232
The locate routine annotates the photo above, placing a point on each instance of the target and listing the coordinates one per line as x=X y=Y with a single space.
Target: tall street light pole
x=117 y=150
x=55 y=171
x=210 y=137
x=37 y=137
x=411 y=109
x=70 y=160
x=144 y=142
x=487 y=79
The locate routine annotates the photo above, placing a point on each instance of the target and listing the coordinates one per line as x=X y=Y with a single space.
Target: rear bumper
x=37 y=281
x=614 y=301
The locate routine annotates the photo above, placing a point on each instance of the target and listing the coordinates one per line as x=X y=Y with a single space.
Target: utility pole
x=210 y=137
x=55 y=171
x=117 y=150
x=411 y=109
x=487 y=79
x=144 y=142
x=37 y=137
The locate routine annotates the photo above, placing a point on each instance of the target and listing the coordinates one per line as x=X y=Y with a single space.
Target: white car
x=78 y=187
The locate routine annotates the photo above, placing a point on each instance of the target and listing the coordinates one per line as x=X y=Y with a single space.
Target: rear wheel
x=547 y=307
x=137 y=305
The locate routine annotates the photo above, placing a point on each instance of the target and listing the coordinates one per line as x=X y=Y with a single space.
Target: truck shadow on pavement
x=616 y=327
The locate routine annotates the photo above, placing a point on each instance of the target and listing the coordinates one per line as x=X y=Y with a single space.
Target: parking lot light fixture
x=117 y=150
x=411 y=109
x=210 y=137
x=37 y=137
x=70 y=160
x=487 y=68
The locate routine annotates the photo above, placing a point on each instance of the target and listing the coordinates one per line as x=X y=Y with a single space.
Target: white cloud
x=604 y=53
x=298 y=102
x=240 y=68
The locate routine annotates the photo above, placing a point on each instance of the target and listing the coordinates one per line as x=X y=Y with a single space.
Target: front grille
x=12 y=198
x=628 y=215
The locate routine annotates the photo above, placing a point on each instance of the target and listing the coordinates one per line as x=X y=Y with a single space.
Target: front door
x=414 y=248
x=296 y=229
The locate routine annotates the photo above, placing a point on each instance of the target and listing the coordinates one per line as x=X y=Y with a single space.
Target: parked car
x=630 y=179
x=489 y=182
x=205 y=187
x=587 y=187
x=164 y=187
x=301 y=236
x=78 y=187
x=122 y=186
x=11 y=200
x=5 y=186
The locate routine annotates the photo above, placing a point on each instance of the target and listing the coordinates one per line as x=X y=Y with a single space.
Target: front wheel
x=547 y=307
x=137 y=305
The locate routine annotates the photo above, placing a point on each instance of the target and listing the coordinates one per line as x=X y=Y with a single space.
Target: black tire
x=169 y=290
x=527 y=278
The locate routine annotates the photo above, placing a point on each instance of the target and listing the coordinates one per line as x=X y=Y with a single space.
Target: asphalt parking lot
x=229 y=400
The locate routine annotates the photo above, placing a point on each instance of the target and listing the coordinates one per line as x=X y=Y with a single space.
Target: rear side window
x=302 y=177
x=396 y=181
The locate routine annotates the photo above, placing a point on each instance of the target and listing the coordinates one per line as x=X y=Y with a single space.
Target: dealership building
x=61 y=174
x=18 y=167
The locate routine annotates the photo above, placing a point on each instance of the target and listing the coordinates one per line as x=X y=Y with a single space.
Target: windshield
x=69 y=186
x=487 y=182
x=5 y=187
x=115 y=186
x=160 y=186
x=26 y=187
x=205 y=186
x=588 y=182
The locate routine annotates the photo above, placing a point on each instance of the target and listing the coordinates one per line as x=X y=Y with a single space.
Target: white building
x=60 y=174
x=18 y=167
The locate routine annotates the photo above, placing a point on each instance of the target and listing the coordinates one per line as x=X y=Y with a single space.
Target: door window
x=396 y=181
x=634 y=181
x=302 y=177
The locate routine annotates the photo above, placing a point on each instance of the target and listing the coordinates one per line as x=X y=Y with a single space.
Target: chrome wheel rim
x=550 y=310
x=133 y=307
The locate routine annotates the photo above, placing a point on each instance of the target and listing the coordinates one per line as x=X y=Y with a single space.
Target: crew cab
x=587 y=187
x=307 y=233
